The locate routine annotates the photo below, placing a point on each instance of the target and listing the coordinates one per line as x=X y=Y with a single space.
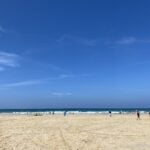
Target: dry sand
x=75 y=132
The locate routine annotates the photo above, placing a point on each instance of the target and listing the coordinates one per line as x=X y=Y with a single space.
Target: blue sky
x=74 y=53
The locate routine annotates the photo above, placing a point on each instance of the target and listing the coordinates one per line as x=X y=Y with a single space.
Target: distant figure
x=110 y=113
x=53 y=113
x=65 y=113
x=138 y=115
x=149 y=113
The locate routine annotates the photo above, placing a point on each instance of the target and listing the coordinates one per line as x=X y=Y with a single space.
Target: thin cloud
x=1 y=68
x=68 y=94
x=57 y=94
x=142 y=63
x=22 y=83
x=29 y=53
x=56 y=68
x=67 y=76
x=131 y=40
x=79 y=40
x=38 y=81
x=9 y=59
x=2 y=29
x=73 y=75
x=61 y=94
x=27 y=82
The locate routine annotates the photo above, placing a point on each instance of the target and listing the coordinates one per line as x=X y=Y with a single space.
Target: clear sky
x=74 y=53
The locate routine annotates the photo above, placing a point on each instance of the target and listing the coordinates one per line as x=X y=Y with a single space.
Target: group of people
x=53 y=113
x=137 y=113
x=110 y=114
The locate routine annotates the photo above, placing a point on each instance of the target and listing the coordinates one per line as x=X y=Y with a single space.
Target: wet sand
x=74 y=132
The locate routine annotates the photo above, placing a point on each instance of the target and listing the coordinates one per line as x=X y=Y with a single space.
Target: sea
x=50 y=111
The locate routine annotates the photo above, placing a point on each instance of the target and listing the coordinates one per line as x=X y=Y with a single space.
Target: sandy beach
x=74 y=132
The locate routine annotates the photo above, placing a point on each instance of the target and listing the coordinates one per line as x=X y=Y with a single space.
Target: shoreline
x=36 y=114
x=74 y=113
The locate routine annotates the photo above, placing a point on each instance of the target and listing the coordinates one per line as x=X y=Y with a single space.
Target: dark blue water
x=77 y=109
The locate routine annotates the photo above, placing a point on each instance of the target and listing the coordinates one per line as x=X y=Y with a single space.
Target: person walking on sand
x=110 y=113
x=65 y=113
x=138 y=115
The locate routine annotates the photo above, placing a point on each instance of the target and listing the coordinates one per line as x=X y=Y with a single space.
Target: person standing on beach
x=110 y=113
x=138 y=115
x=65 y=113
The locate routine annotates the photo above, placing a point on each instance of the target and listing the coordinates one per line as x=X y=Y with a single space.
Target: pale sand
x=75 y=132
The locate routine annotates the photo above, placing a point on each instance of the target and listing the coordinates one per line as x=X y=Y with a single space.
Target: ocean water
x=75 y=111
